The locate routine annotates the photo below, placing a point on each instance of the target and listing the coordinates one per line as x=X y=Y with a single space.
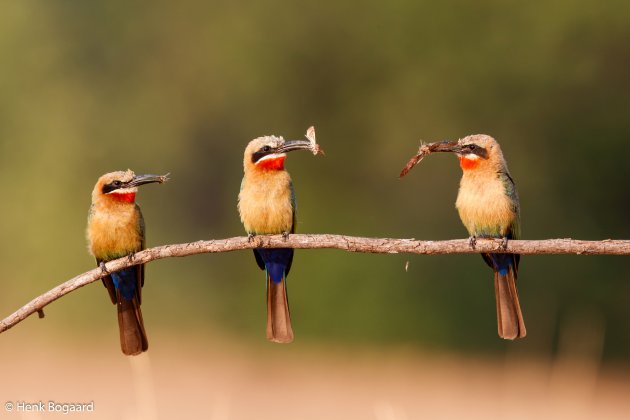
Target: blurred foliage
x=91 y=87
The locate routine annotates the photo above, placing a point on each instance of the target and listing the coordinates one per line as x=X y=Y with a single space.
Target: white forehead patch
x=273 y=141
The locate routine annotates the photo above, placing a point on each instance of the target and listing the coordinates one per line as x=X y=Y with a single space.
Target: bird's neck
x=265 y=182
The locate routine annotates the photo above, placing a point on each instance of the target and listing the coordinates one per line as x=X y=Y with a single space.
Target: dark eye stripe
x=476 y=150
x=112 y=186
x=264 y=151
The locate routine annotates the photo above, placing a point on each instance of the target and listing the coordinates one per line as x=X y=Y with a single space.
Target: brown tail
x=133 y=338
x=278 y=317
x=509 y=316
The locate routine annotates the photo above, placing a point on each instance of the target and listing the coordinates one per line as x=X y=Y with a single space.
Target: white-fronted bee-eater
x=267 y=205
x=116 y=229
x=488 y=206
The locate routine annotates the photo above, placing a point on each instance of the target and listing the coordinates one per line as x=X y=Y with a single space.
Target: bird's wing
x=510 y=191
x=294 y=207
x=109 y=284
x=140 y=277
x=259 y=260
x=514 y=231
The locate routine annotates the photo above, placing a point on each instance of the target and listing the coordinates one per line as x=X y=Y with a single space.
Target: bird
x=116 y=229
x=267 y=205
x=489 y=207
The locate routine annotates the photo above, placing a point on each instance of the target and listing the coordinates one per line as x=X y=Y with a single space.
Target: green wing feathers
x=510 y=191
x=293 y=205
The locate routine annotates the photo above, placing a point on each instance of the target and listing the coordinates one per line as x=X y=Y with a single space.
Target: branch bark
x=301 y=241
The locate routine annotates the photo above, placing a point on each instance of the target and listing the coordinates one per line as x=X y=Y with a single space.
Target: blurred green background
x=181 y=87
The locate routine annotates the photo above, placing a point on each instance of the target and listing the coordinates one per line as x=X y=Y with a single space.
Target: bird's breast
x=265 y=204
x=112 y=234
x=484 y=206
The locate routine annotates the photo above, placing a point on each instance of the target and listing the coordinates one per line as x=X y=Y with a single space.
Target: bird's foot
x=504 y=243
x=285 y=235
x=472 y=241
x=130 y=257
x=101 y=265
x=250 y=237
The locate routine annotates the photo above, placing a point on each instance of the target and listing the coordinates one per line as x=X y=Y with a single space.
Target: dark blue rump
x=276 y=261
x=126 y=282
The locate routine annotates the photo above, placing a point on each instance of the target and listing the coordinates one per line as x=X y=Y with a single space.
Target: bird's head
x=268 y=153
x=122 y=186
x=477 y=151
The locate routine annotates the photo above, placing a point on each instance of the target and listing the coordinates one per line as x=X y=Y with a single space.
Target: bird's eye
x=116 y=184
x=472 y=147
x=266 y=148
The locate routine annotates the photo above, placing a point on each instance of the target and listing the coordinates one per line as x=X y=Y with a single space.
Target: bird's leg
x=504 y=243
x=285 y=235
x=103 y=268
x=130 y=256
x=472 y=241
x=250 y=236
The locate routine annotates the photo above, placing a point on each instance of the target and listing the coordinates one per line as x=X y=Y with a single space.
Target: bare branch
x=347 y=243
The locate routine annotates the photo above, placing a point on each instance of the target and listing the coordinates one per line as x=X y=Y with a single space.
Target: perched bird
x=266 y=204
x=116 y=229
x=489 y=207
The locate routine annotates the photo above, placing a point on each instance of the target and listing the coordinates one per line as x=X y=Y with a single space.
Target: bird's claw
x=472 y=241
x=101 y=265
x=130 y=257
x=250 y=237
x=504 y=243
x=285 y=235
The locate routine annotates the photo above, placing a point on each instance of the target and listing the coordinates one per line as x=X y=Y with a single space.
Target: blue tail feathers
x=277 y=262
x=126 y=282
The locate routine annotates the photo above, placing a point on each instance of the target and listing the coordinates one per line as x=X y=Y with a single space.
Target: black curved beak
x=446 y=146
x=146 y=179
x=291 y=145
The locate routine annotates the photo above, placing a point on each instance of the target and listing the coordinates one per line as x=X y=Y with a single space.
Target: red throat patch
x=276 y=164
x=468 y=164
x=125 y=197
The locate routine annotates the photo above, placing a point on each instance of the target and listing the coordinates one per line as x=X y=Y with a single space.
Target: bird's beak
x=447 y=146
x=146 y=179
x=291 y=145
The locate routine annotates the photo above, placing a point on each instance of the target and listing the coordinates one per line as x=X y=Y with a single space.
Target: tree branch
x=347 y=243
